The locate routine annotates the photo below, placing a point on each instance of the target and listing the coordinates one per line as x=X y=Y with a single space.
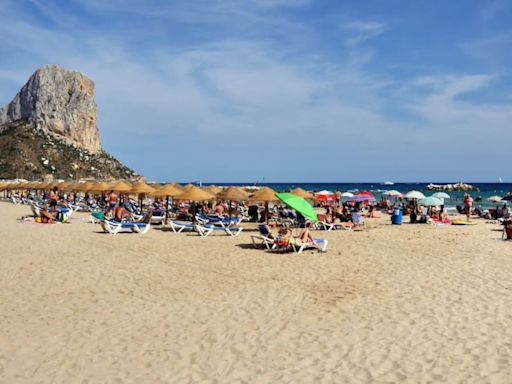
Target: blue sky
x=283 y=90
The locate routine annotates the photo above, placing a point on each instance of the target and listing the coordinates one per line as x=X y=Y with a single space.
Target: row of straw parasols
x=189 y=192
x=177 y=192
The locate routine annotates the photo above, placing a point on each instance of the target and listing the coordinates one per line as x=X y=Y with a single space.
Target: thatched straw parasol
x=232 y=194
x=65 y=186
x=194 y=193
x=141 y=188
x=120 y=186
x=99 y=187
x=85 y=187
x=166 y=191
x=11 y=186
x=302 y=193
x=265 y=195
x=214 y=188
x=38 y=185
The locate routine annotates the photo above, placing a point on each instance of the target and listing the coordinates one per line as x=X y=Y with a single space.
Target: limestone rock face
x=60 y=102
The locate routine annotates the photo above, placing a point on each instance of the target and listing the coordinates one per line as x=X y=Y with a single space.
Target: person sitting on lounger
x=305 y=236
x=112 y=202
x=220 y=209
x=120 y=213
x=128 y=205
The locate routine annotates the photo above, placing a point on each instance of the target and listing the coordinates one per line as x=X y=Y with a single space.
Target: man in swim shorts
x=468 y=205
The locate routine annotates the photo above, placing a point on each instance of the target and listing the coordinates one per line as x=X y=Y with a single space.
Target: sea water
x=485 y=191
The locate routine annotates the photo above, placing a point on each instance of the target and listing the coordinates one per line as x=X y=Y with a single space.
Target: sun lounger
x=114 y=227
x=97 y=217
x=208 y=229
x=223 y=221
x=178 y=226
x=330 y=226
x=264 y=238
x=319 y=244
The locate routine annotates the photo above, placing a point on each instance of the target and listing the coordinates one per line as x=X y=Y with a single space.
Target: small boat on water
x=500 y=180
x=388 y=183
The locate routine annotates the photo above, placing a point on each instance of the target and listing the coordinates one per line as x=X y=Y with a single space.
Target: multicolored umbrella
x=299 y=204
x=325 y=196
x=362 y=196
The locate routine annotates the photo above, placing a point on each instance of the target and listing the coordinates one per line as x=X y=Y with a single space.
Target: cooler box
x=396 y=217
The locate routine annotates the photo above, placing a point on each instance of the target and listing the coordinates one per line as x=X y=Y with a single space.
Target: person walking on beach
x=468 y=205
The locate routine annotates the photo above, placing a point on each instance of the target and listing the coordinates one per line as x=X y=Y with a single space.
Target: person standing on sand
x=112 y=202
x=54 y=197
x=468 y=205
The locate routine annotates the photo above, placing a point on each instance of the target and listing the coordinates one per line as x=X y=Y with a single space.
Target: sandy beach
x=387 y=304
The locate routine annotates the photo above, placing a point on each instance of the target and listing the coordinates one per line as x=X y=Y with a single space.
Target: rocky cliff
x=50 y=128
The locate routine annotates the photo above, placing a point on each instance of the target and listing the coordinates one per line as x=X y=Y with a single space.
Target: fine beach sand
x=388 y=304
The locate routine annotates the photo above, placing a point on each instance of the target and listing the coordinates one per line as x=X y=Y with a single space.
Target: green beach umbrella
x=299 y=204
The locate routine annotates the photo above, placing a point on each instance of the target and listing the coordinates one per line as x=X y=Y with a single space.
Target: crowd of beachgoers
x=122 y=205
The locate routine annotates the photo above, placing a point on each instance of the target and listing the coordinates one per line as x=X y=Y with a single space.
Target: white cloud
x=361 y=31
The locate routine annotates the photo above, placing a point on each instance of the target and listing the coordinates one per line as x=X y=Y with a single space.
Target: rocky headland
x=49 y=128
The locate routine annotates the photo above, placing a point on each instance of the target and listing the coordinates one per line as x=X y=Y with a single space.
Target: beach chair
x=157 y=219
x=264 y=238
x=205 y=231
x=330 y=226
x=223 y=221
x=36 y=210
x=16 y=200
x=114 y=227
x=298 y=246
x=97 y=217
x=179 y=226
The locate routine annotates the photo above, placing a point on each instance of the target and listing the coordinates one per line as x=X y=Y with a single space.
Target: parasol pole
x=166 y=209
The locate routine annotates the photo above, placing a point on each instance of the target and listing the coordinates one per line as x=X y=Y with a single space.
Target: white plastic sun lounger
x=319 y=244
x=207 y=230
x=114 y=227
x=178 y=226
